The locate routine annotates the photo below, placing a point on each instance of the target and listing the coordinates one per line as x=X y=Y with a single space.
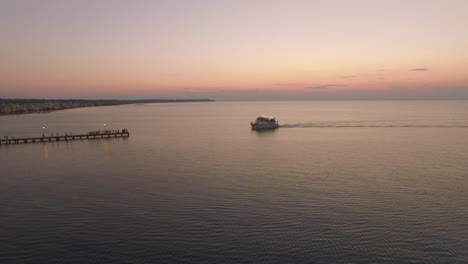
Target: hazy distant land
x=24 y=106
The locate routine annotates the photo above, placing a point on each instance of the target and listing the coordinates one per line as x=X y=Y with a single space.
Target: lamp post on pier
x=43 y=131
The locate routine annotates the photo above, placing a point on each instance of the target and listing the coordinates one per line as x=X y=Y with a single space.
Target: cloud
x=287 y=84
x=325 y=86
x=203 y=89
x=347 y=77
x=419 y=69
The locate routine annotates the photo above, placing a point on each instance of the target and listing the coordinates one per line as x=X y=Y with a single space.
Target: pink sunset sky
x=234 y=50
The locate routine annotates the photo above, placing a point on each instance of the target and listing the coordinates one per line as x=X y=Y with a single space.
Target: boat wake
x=382 y=123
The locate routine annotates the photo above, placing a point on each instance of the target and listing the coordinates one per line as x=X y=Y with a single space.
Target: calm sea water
x=339 y=182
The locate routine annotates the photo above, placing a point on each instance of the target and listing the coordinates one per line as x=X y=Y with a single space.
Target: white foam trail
x=383 y=123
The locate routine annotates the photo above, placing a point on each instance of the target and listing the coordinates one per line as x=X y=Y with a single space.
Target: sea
x=338 y=182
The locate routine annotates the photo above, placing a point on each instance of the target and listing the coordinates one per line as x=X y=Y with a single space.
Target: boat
x=264 y=122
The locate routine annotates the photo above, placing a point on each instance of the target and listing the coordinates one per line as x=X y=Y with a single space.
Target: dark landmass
x=25 y=106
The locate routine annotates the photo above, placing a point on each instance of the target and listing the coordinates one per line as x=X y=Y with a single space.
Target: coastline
x=42 y=106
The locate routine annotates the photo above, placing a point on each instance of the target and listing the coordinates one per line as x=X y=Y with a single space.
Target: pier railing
x=66 y=137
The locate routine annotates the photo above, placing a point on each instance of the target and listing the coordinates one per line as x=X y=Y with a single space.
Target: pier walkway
x=66 y=137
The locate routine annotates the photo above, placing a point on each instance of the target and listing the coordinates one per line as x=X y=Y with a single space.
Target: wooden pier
x=66 y=137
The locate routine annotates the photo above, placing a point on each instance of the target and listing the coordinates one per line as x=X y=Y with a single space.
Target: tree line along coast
x=24 y=106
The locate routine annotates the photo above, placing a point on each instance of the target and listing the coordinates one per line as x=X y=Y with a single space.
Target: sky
x=234 y=50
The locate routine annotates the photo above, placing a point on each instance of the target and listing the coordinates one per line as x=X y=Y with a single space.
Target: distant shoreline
x=35 y=106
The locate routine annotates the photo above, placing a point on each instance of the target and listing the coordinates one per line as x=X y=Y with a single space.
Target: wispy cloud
x=287 y=84
x=325 y=86
x=203 y=89
x=347 y=77
x=419 y=69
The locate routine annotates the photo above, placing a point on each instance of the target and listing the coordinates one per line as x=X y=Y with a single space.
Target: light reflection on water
x=45 y=151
